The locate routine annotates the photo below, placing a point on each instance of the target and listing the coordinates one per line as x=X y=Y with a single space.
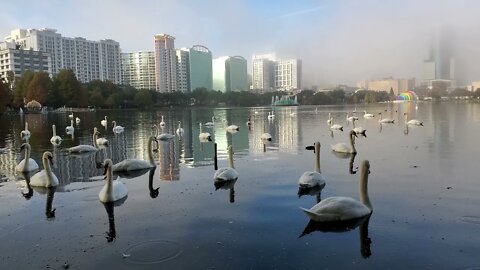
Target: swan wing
x=82 y=148
x=341 y=147
x=225 y=174
x=337 y=209
x=40 y=180
x=131 y=165
x=102 y=141
x=310 y=179
x=32 y=165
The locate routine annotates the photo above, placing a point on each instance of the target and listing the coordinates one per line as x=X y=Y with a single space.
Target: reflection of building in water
x=169 y=160
x=284 y=130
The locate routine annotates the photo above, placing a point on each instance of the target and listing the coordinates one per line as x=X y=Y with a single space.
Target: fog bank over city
x=338 y=41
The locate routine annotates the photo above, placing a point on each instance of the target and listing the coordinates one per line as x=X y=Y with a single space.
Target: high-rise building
x=263 y=72
x=183 y=70
x=138 y=69
x=200 y=68
x=230 y=73
x=288 y=74
x=17 y=60
x=194 y=68
x=89 y=60
x=441 y=62
x=165 y=63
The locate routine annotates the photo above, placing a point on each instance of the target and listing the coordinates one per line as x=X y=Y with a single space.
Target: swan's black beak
x=50 y=158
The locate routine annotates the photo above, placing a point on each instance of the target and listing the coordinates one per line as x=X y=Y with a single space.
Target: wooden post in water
x=215 y=161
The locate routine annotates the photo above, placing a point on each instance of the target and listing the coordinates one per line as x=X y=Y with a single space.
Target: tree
x=38 y=87
x=5 y=96
x=20 y=89
x=69 y=88
x=143 y=99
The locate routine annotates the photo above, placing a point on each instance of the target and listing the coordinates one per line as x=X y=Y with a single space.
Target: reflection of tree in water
x=344 y=226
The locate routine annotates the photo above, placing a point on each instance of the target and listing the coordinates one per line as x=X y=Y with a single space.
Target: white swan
x=270 y=116
x=162 y=123
x=386 y=120
x=413 y=122
x=227 y=173
x=45 y=177
x=266 y=137
x=137 y=164
x=204 y=136
x=27 y=164
x=117 y=129
x=344 y=208
x=210 y=124
x=359 y=130
x=351 y=118
x=367 y=115
x=70 y=129
x=310 y=179
x=164 y=137
x=55 y=140
x=329 y=120
x=98 y=141
x=335 y=126
x=77 y=120
x=25 y=134
x=343 y=147
x=249 y=122
x=180 y=130
x=104 y=122
x=82 y=148
x=113 y=190
x=230 y=128
x=70 y=116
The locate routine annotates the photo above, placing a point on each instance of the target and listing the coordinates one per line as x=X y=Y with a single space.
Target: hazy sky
x=338 y=41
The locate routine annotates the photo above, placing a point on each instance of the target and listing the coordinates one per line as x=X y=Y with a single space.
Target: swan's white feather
x=225 y=174
x=40 y=179
x=32 y=165
x=341 y=147
x=310 y=179
x=131 y=165
x=82 y=148
x=337 y=209
x=119 y=191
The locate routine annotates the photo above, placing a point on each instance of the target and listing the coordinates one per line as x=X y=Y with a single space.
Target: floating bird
x=55 y=140
x=25 y=134
x=84 y=148
x=162 y=123
x=180 y=130
x=113 y=190
x=104 y=122
x=70 y=129
x=343 y=147
x=45 y=178
x=230 y=128
x=413 y=122
x=210 y=124
x=138 y=164
x=367 y=115
x=204 y=136
x=385 y=120
x=27 y=164
x=117 y=129
x=227 y=173
x=310 y=179
x=77 y=120
x=344 y=208
x=359 y=130
x=99 y=141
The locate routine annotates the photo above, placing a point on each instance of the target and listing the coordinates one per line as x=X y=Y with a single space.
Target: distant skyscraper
x=440 y=64
x=89 y=60
x=183 y=70
x=288 y=74
x=165 y=63
x=138 y=69
x=230 y=74
x=200 y=68
x=263 y=73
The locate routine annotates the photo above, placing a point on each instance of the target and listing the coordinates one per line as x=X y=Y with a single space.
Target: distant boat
x=285 y=100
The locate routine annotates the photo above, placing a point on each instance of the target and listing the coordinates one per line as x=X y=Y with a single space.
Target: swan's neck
x=230 y=159
x=109 y=190
x=406 y=118
x=114 y=124
x=54 y=129
x=26 y=126
x=363 y=189
x=48 y=171
x=71 y=123
x=95 y=139
x=201 y=128
x=150 y=152
x=27 y=156
x=353 y=123
x=352 y=144
x=317 y=158
x=179 y=125
x=158 y=130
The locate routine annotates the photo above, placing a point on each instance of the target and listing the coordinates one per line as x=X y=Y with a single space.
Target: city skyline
x=339 y=42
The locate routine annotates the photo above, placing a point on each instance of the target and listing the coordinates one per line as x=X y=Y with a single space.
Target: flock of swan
x=332 y=209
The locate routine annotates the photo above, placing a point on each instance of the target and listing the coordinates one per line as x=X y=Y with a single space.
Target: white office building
x=89 y=60
x=138 y=69
x=263 y=72
x=288 y=74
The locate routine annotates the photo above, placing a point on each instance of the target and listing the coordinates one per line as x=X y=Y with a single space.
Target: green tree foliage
x=461 y=92
x=69 y=89
x=38 y=87
x=20 y=88
x=143 y=99
x=5 y=96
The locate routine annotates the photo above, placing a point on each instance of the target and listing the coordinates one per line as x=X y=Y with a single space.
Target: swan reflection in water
x=50 y=192
x=312 y=191
x=153 y=191
x=109 y=207
x=350 y=164
x=226 y=185
x=27 y=195
x=344 y=226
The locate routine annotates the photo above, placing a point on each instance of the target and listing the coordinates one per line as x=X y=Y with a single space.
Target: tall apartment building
x=89 y=60
x=138 y=69
x=183 y=71
x=263 y=73
x=288 y=74
x=165 y=63
x=13 y=58
x=230 y=74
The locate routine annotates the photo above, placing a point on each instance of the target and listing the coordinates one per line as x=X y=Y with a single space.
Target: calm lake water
x=424 y=187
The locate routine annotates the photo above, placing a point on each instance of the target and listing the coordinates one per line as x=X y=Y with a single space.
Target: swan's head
x=24 y=145
x=48 y=156
x=353 y=133
x=113 y=123
x=107 y=165
x=95 y=131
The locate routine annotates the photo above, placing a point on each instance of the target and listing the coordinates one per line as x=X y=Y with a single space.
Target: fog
x=338 y=41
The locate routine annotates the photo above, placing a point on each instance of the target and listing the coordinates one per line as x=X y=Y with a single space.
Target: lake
x=423 y=185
